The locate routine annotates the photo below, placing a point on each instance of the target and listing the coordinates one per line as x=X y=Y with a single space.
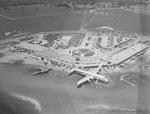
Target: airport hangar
x=127 y=53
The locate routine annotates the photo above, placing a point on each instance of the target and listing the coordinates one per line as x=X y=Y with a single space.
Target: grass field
x=118 y=19
x=122 y=20
x=75 y=40
x=30 y=10
x=49 y=23
x=45 y=19
x=51 y=37
x=91 y=53
x=3 y=20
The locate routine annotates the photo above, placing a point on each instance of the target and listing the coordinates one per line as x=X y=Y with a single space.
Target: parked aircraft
x=41 y=71
x=89 y=77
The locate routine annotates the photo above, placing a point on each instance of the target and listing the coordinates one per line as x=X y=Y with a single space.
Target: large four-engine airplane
x=89 y=77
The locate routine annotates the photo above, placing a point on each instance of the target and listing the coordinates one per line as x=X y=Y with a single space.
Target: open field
x=3 y=20
x=122 y=20
x=31 y=10
x=49 y=23
x=75 y=40
x=42 y=20
x=51 y=37
x=117 y=21
x=91 y=53
x=45 y=19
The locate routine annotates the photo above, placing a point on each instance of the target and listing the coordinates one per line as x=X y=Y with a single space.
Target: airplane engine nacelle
x=98 y=80
x=82 y=84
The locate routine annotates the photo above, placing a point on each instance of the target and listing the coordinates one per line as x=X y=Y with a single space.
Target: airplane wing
x=72 y=72
x=76 y=71
x=94 y=75
x=89 y=77
x=84 y=81
x=86 y=78
x=79 y=71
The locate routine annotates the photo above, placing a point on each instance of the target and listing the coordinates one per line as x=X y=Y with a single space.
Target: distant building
x=104 y=41
x=66 y=58
x=64 y=40
x=90 y=62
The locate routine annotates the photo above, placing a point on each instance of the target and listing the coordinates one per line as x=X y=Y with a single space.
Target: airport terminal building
x=52 y=57
x=127 y=53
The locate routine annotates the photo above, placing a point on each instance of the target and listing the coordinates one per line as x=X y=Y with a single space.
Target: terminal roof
x=127 y=53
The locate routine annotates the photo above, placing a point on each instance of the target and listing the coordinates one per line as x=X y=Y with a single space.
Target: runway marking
x=144 y=81
x=122 y=79
x=86 y=24
x=84 y=20
x=7 y=17
x=40 y=15
x=147 y=69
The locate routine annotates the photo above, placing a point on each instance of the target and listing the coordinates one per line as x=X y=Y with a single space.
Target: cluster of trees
x=63 y=3
x=30 y=2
